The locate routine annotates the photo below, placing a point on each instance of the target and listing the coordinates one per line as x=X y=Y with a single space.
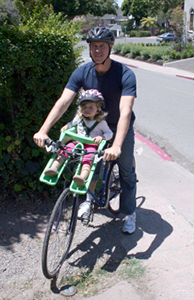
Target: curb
x=153 y=67
x=153 y=146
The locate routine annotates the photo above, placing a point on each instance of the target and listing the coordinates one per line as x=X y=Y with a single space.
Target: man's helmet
x=91 y=96
x=100 y=34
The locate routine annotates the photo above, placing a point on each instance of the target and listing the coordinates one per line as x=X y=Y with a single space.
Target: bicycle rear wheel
x=113 y=188
x=59 y=233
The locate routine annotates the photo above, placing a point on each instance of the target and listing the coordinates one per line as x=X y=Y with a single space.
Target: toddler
x=90 y=121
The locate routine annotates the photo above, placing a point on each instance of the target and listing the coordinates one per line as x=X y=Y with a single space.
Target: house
x=189 y=20
x=113 y=21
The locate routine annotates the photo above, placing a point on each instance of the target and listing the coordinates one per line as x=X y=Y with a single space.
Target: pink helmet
x=91 y=96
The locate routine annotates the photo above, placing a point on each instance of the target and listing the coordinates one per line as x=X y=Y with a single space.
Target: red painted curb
x=131 y=66
x=185 y=77
x=154 y=147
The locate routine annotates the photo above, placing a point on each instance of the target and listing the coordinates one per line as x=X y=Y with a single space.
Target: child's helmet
x=91 y=96
x=100 y=34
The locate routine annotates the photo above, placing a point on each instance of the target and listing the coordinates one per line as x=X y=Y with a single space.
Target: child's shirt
x=101 y=128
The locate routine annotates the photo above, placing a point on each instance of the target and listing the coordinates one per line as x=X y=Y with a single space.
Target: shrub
x=126 y=48
x=178 y=55
x=144 y=33
x=145 y=53
x=135 y=50
x=162 y=31
x=133 y=33
x=184 y=54
x=117 y=48
x=157 y=53
x=35 y=66
x=165 y=58
x=173 y=54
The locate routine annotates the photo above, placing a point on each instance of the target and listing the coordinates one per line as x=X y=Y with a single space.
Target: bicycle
x=63 y=219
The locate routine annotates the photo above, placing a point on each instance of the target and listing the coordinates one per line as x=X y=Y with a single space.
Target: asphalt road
x=164 y=109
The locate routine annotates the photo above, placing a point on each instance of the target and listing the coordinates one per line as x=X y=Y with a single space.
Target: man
x=117 y=84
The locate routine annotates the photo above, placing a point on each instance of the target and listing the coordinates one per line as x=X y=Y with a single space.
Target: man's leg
x=127 y=174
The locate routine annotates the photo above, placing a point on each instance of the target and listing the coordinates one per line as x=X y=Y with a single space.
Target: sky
x=119 y=2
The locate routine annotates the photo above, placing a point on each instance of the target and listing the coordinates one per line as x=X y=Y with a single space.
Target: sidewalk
x=167 y=69
x=164 y=239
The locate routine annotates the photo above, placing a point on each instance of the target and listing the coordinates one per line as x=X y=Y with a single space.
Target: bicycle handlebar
x=54 y=147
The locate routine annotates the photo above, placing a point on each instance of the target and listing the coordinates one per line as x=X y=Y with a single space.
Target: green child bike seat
x=65 y=136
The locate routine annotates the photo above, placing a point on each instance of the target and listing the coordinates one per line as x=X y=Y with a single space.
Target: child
x=90 y=122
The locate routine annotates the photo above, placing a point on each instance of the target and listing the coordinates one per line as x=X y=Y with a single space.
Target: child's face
x=89 y=109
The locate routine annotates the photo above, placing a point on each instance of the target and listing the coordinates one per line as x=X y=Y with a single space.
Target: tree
x=177 y=20
x=148 y=22
x=76 y=7
x=137 y=8
x=144 y=8
x=127 y=24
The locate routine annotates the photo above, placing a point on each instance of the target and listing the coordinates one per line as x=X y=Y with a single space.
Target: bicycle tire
x=113 y=188
x=59 y=233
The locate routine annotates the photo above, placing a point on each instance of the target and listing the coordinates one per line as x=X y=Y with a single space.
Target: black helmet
x=91 y=96
x=100 y=34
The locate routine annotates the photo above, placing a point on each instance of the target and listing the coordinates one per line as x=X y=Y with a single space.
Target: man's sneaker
x=130 y=223
x=84 y=210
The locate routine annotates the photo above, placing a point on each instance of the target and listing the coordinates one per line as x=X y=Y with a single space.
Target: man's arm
x=55 y=114
x=126 y=106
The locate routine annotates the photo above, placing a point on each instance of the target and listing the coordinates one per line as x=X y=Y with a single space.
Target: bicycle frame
x=101 y=201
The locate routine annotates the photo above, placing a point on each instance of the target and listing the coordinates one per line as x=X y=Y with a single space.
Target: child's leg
x=86 y=166
x=53 y=170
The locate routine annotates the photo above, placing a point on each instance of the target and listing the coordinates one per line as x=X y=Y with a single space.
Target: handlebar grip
x=48 y=142
x=100 y=153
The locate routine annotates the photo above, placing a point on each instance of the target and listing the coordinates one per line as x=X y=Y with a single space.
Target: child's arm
x=65 y=127
x=107 y=132
x=98 y=139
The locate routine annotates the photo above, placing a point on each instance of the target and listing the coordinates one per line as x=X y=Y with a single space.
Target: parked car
x=166 y=37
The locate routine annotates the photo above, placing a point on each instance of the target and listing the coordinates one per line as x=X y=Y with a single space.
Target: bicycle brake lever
x=97 y=159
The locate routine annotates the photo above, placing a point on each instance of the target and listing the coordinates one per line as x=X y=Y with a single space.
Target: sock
x=88 y=198
x=54 y=168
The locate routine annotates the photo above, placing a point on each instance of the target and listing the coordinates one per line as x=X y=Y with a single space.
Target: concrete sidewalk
x=164 y=239
x=167 y=69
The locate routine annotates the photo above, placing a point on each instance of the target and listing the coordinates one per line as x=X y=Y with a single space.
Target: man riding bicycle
x=117 y=84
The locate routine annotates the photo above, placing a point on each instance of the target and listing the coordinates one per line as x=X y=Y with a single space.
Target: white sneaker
x=130 y=223
x=84 y=210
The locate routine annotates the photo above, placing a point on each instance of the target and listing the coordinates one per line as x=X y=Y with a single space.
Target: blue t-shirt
x=118 y=81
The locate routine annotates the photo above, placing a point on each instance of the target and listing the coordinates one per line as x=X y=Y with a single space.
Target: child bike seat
x=65 y=136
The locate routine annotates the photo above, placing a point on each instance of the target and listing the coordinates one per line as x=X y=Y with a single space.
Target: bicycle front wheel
x=59 y=233
x=113 y=188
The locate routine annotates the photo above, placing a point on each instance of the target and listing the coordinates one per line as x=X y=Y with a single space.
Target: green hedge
x=35 y=65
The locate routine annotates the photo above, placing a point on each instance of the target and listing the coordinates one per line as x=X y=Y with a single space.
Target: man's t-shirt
x=118 y=81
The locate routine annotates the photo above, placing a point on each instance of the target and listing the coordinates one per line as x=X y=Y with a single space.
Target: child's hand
x=98 y=139
x=64 y=127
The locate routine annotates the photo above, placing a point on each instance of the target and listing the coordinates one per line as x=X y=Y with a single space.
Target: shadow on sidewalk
x=110 y=246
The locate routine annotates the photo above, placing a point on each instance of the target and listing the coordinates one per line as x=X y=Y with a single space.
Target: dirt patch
x=96 y=260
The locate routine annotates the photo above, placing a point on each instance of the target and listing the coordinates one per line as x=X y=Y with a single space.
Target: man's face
x=99 y=51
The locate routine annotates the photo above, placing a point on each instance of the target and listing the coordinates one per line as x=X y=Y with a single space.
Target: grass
x=88 y=283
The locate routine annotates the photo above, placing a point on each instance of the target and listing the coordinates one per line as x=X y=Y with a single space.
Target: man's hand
x=40 y=138
x=112 y=153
